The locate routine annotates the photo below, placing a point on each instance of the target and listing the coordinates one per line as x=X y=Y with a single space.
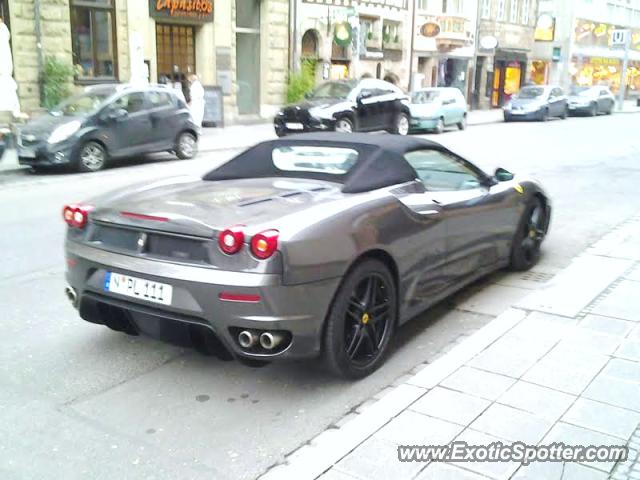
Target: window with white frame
x=500 y=12
x=513 y=11
x=486 y=8
x=525 y=12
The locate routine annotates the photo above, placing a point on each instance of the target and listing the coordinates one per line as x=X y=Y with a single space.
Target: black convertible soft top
x=381 y=161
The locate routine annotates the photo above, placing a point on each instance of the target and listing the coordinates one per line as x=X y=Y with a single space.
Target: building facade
x=444 y=44
x=574 y=43
x=505 y=44
x=349 y=39
x=241 y=46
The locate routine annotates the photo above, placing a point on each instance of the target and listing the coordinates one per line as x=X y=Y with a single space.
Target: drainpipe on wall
x=38 y=32
x=474 y=101
x=413 y=36
x=293 y=35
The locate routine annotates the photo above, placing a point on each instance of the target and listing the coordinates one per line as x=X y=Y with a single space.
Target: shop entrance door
x=248 y=56
x=176 y=52
x=4 y=12
x=507 y=80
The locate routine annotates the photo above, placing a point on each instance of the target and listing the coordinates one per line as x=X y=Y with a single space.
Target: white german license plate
x=294 y=126
x=26 y=153
x=138 y=288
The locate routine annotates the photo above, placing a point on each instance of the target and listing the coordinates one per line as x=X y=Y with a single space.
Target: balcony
x=455 y=30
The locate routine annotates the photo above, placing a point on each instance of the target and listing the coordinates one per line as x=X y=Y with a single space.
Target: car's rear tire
x=593 y=111
x=361 y=321
x=401 y=126
x=186 y=146
x=462 y=124
x=92 y=157
x=525 y=248
x=609 y=110
x=344 y=125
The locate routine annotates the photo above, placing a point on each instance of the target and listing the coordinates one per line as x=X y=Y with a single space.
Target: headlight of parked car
x=64 y=131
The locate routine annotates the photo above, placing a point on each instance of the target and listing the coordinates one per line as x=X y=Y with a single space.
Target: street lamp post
x=623 y=74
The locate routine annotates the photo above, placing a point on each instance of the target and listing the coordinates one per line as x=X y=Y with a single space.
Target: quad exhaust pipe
x=247 y=339
x=269 y=340
x=71 y=294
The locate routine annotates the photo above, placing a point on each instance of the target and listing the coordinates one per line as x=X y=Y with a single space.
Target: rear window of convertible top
x=329 y=160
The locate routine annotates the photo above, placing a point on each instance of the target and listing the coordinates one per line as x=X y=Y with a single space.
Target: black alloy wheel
x=525 y=249
x=361 y=321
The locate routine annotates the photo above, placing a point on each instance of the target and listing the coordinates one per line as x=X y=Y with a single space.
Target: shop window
x=175 y=50
x=500 y=12
x=513 y=12
x=309 y=44
x=93 y=39
x=486 y=8
x=4 y=13
x=525 y=12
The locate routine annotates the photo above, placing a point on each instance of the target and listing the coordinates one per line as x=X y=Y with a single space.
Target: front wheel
x=594 y=110
x=401 y=126
x=92 y=157
x=186 y=146
x=525 y=249
x=361 y=321
x=344 y=125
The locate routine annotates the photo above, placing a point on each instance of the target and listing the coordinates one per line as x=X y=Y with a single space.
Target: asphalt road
x=80 y=401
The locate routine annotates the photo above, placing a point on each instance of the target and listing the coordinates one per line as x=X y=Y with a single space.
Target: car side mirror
x=117 y=114
x=363 y=95
x=503 y=175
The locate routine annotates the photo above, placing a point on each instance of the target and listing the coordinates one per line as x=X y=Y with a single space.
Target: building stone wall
x=275 y=55
x=56 y=40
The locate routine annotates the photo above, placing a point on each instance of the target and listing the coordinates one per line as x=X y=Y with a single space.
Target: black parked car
x=109 y=121
x=348 y=106
x=539 y=102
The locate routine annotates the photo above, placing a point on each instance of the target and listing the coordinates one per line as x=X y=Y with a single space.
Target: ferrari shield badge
x=518 y=188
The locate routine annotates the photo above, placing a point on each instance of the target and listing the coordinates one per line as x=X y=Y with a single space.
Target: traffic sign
x=619 y=37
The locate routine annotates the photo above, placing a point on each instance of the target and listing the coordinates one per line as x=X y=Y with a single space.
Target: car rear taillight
x=76 y=216
x=231 y=240
x=264 y=244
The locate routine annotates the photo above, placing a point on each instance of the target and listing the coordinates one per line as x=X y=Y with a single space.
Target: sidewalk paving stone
x=615 y=391
x=611 y=326
x=336 y=475
x=412 y=428
x=558 y=471
x=494 y=470
x=540 y=401
x=445 y=471
x=583 y=340
x=502 y=358
x=450 y=405
x=621 y=302
x=574 y=435
x=377 y=459
x=478 y=383
x=512 y=424
x=622 y=369
x=629 y=349
x=492 y=301
x=615 y=421
x=571 y=290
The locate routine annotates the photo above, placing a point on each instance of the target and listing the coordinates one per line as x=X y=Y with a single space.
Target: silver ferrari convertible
x=311 y=245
